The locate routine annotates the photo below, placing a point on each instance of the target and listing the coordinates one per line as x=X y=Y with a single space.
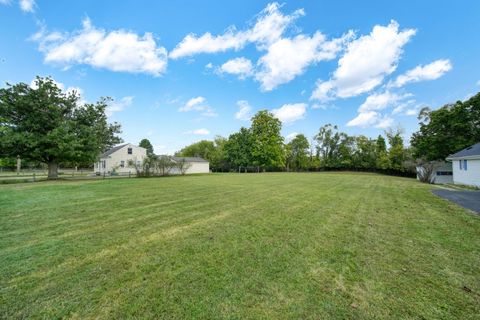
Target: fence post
x=103 y=174
x=34 y=177
x=129 y=174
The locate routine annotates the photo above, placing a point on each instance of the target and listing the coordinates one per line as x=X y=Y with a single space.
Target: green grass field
x=237 y=246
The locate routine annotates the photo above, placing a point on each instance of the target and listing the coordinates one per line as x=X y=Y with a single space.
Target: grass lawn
x=238 y=246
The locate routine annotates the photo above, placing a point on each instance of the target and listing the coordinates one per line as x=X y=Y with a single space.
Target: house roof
x=190 y=159
x=112 y=150
x=470 y=152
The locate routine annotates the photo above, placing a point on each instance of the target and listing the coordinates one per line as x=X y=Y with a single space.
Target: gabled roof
x=470 y=152
x=190 y=159
x=114 y=149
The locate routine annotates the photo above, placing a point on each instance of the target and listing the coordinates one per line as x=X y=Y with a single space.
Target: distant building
x=442 y=173
x=466 y=166
x=194 y=165
x=117 y=159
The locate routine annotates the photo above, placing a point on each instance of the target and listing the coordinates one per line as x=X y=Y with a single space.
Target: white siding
x=471 y=176
x=441 y=179
x=199 y=167
x=194 y=167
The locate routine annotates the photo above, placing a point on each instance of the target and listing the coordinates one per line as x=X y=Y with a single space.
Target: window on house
x=103 y=164
x=122 y=164
x=129 y=150
x=465 y=164
x=460 y=164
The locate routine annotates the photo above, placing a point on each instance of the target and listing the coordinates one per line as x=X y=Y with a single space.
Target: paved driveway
x=467 y=199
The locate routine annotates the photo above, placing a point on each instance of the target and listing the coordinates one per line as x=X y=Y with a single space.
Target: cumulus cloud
x=27 y=5
x=289 y=113
x=117 y=106
x=244 y=112
x=198 y=104
x=287 y=58
x=117 y=50
x=430 y=71
x=369 y=119
x=368 y=112
x=199 y=132
x=365 y=63
x=379 y=101
x=270 y=25
x=240 y=67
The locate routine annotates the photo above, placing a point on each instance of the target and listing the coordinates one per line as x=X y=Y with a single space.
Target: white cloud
x=364 y=119
x=199 y=132
x=319 y=106
x=117 y=50
x=370 y=119
x=245 y=111
x=379 y=101
x=27 y=5
x=291 y=136
x=430 y=71
x=209 y=66
x=269 y=26
x=117 y=106
x=289 y=113
x=241 y=67
x=411 y=112
x=289 y=57
x=368 y=114
x=384 y=122
x=366 y=62
x=5 y=2
x=478 y=83
x=198 y=104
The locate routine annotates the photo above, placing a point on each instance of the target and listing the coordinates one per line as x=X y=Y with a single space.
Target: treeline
x=442 y=132
x=262 y=146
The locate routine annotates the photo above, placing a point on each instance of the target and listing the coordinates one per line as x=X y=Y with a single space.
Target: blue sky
x=182 y=71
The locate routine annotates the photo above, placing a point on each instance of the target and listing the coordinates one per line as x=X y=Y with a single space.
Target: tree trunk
x=52 y=170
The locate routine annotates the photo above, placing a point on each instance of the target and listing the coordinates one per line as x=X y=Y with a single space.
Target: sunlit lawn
x=239 y=246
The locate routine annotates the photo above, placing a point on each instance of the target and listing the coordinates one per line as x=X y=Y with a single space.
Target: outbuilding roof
x=112 y=150
x=190 y=159
x=470 y=152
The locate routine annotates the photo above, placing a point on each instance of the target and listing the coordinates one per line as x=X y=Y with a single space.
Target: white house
x=117 y=159
x=442 y=173
x=466 y=166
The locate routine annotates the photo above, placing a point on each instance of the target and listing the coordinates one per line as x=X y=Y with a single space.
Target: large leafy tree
x=145 y=143
x=382 y=161
x=238 y=148
x=267 y=151
x=397 y=152
x=44 y=124
x=298 y=152
x=204 y=149
x=365 y=155
x=447 y=130
x=333 y=147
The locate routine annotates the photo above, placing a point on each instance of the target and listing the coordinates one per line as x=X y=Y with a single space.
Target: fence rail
x=7 y=177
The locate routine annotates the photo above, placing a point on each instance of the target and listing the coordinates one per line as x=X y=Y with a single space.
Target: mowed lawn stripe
x=287 y=245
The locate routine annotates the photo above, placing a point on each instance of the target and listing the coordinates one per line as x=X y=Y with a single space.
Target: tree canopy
x=447 y=130
x=267 y=150
x=145 y=143
x=44 y=124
